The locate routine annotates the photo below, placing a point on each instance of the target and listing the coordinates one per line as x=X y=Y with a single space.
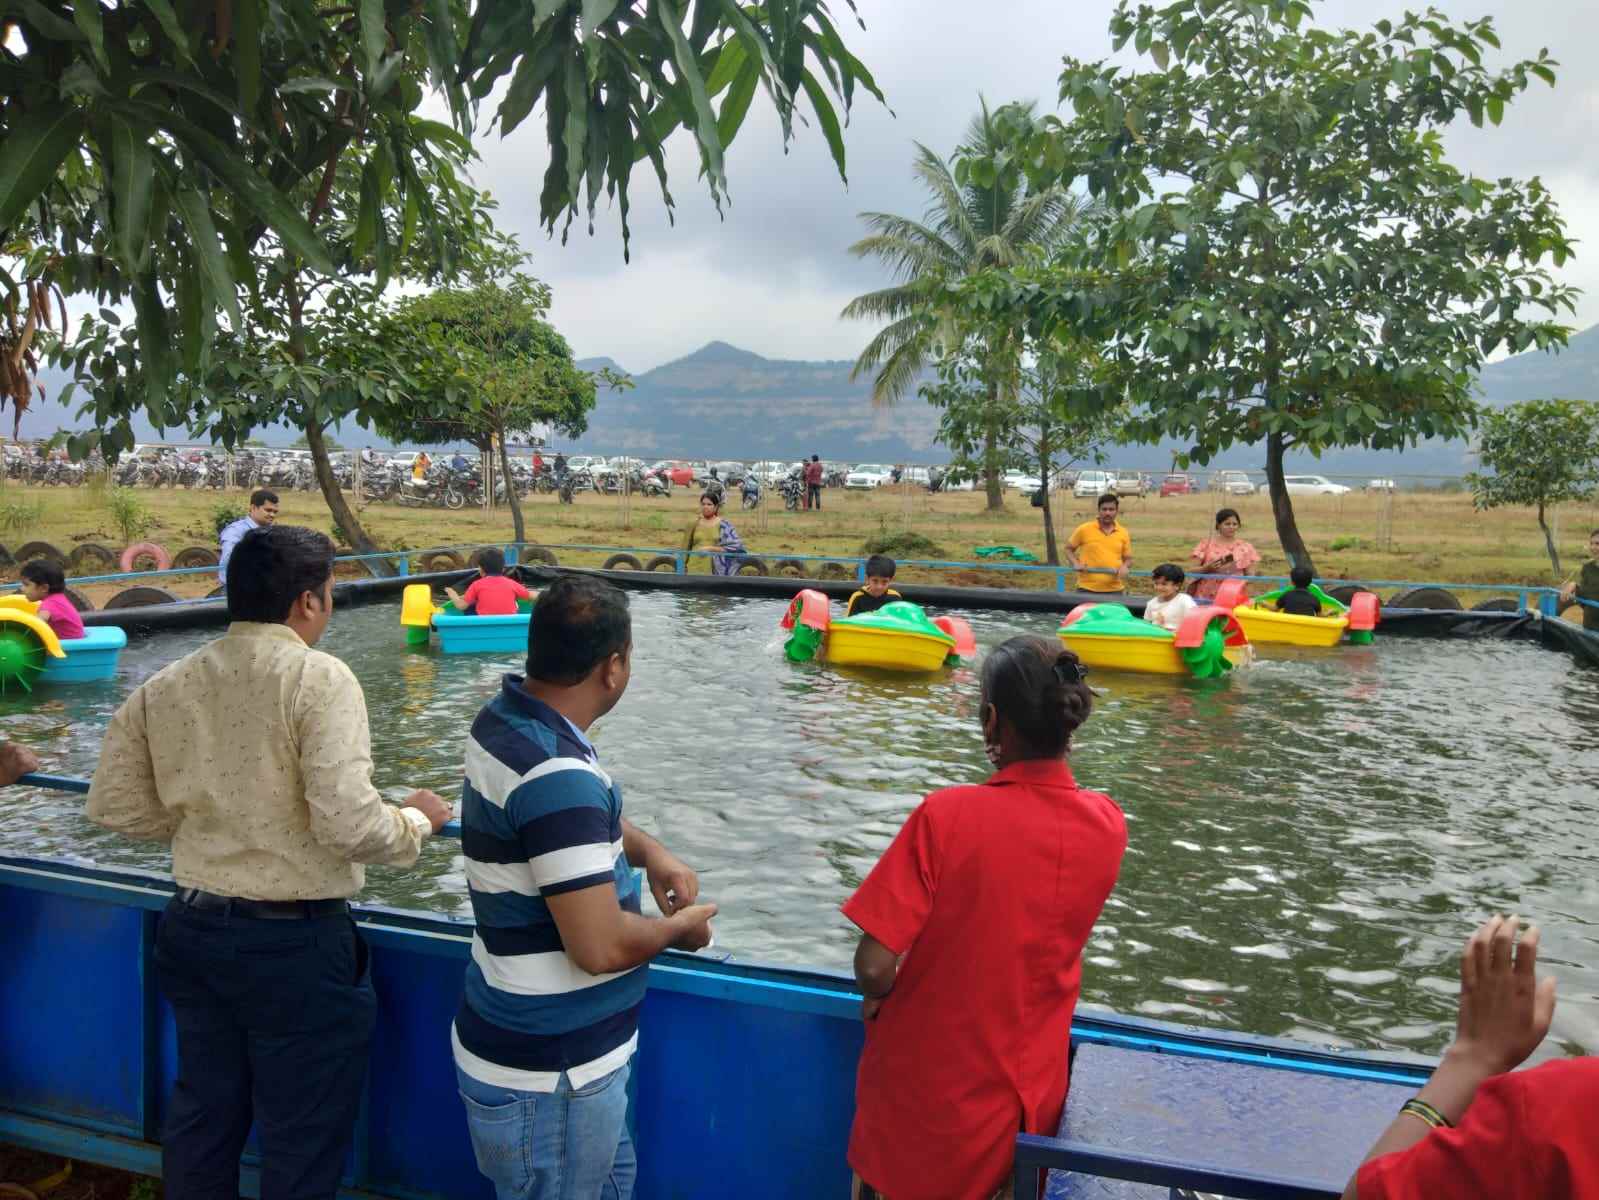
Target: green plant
x=18 y=516
x=223 y=515
x=129 y=513
x=1346 y=543
x=902 y=543
x=144 y=1188
x=1538 y=453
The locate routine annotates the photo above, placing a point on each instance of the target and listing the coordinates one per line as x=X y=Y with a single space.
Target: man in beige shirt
x=252 y=757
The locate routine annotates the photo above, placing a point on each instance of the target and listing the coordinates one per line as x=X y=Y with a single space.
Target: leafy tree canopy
x=1293 y=260
x=1538 y=453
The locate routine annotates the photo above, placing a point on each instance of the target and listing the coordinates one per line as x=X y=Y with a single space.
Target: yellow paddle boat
x=1207 y=645
x=1263 y=623
x=897 y=637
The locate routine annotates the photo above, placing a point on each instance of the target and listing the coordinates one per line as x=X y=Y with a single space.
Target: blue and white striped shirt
x=538 y=818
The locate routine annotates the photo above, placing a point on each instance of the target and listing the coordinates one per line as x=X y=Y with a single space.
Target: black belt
x=272 y=910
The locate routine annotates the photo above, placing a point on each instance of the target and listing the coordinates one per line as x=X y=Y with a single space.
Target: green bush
x=224 y=515
x=21 y=516
x=129 y=513
x=1346 y=543
x=902 y=544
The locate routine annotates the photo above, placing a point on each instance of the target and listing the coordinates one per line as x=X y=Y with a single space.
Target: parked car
x=1233 y=483
x=1130 y=483
x=1093 y=483
x=1177 y=485
x=592 y=463
x=917 y=475
x=868 y=476
x=1313 y=485
x=1382 y=485
x=680 y=473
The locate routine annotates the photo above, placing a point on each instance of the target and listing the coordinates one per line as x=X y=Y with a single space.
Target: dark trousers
x=813 y=495
x=274 y=1022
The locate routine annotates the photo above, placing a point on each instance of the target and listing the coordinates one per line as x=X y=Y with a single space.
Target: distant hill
x=725 y=402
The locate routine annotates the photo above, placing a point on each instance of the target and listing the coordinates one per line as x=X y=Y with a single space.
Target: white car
x=585 y=462
x=1093 y=483
x=1233 y=483
x=868 y=476
x=1313 y=485
x=1131 y=483
x=1382 y=485
x=916 y=475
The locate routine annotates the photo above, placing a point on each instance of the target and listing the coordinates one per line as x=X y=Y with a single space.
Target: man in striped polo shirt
x=549 y=1019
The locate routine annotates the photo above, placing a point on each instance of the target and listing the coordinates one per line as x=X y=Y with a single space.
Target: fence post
x=1548 y=602
x=405 y=564
x=1060 y=579
x=681 y=560
x=860 y=570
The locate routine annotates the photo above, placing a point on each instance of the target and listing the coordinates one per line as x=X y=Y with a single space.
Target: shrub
x=902 y=544
x=223 y=515
x=21 y=516
x=129 y=513
x=1346 y=543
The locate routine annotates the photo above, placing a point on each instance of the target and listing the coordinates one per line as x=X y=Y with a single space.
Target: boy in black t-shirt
x=1299 y=600
x=877 y=592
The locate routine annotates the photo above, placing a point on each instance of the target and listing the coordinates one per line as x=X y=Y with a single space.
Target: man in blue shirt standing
x=263 y=512
x=549 y=1019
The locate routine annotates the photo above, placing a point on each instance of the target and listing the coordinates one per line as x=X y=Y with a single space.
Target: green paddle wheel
x=22 y=658
x=1208 y=660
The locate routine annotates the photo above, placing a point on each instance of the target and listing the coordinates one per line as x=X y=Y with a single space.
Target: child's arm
x=456 y=598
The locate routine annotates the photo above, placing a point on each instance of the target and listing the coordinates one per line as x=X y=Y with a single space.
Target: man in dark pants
x=813 y=483
x=252 y=757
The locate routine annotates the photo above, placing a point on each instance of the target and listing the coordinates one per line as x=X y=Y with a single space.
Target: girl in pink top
x=1222 y=553
x=44 y=583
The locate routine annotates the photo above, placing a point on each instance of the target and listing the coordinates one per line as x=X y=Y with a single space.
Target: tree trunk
x=1051 y=550
x=1282 y=505
x=511 y=497
x=344 y=517
x=1549 y=542
x=996 y=498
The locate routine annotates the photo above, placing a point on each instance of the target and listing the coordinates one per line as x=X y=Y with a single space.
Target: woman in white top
x=1170 y=603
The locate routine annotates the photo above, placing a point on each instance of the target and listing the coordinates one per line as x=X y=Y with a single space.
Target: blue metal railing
x=70 y=783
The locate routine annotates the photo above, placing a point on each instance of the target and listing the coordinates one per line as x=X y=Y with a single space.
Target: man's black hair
x=577 y=624
x=1112 y=497
x=271 y=568
x=816 y=458
x=45 y=571
x=1170 y=572
x=880 y=565
x=1302 y=577
x=262 y=496
x=491 y=560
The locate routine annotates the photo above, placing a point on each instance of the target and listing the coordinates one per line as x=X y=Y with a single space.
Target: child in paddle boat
x=1171 y=604
x=878 y=589
x=45 y=584
x=949 y=918
x=1299 y=600
x=493 y=593
x=1480 y=1127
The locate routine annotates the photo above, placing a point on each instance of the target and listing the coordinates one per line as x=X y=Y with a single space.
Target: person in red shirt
x=1476 y=1129
x=813 y=475
x=493 y=593
x=972 y=933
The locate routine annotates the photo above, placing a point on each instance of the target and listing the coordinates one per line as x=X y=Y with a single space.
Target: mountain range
x=724 y=402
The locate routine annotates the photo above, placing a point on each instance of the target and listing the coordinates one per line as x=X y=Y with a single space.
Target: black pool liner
x=1549 y=632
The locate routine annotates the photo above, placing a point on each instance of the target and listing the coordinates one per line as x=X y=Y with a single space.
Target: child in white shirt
x=1170 y=604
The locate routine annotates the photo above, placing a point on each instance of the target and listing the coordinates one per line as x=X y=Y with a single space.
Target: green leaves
x=216 y=278
x=374 y=33
x=134 y=176
x=30 y=154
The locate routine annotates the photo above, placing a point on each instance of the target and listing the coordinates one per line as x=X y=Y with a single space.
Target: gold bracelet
x=1425 y=1113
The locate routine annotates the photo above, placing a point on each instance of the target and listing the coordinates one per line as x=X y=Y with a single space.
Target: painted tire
x=833 y=570
x=661 y=562
x=79 y=601
x=1502 y=605
x=42 y=550
x=151 y=550
x=442 y=560
x=622 y=562
x=538 y=554
x=219 y=590
x=1345 y=592
x=1436 y=599
x=22 y=657
x=5 y=558
x=196 y=556
x=750 y=565
x=140 y=597
x=90 y=555
x=792 y=567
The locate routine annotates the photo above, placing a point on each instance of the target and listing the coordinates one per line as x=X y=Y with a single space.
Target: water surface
x=1310 y=841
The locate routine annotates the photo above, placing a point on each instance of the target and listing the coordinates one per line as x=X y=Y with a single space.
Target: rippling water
x=1310 y=840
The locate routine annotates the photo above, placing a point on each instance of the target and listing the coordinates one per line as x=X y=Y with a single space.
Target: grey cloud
x=772 y=273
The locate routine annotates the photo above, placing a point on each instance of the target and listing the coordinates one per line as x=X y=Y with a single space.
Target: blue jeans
x=562 y=1145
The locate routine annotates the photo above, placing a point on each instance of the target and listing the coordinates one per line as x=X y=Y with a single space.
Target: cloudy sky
x=772 y=274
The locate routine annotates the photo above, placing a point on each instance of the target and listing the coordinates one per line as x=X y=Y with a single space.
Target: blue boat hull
x=482 y=635
x=92 y=657
x=743 y=1086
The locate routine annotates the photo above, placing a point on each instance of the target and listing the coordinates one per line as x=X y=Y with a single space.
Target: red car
x=1177 y=485
x=680 y=473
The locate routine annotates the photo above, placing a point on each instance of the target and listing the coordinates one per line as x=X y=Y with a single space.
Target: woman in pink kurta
x=1222 y=553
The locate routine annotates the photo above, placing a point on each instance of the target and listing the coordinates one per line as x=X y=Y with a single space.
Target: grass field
x=1420 y=536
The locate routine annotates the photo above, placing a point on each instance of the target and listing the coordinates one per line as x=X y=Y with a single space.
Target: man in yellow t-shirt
x=1102 y=543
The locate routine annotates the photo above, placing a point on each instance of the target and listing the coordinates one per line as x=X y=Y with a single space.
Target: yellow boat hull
x=1287 y=629
x=1152 y=656
x=888 y=649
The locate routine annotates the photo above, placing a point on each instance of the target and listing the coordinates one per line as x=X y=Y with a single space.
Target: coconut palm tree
x=965 y=229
